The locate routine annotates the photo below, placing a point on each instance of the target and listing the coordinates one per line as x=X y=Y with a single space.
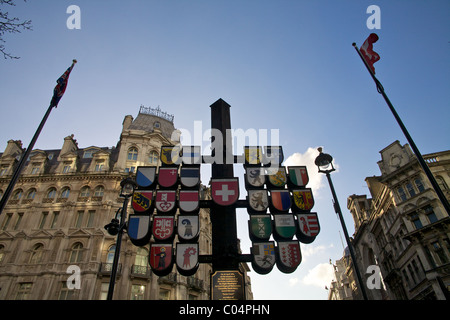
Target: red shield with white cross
x=225 y=192
x=167 y=177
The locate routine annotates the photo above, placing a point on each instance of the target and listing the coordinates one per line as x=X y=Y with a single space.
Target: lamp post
x=325 y=165
x=115 y=227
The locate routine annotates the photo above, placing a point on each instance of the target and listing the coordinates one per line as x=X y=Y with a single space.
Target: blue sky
x=283 y=65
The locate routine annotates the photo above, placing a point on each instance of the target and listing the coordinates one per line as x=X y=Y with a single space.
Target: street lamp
x=325 y=164
x=115 y=227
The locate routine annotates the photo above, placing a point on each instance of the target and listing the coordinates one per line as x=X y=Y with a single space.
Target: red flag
x=60 y=88
x=367 y=51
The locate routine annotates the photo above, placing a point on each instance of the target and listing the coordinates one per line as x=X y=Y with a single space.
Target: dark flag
x=60 y=88
x=367 y=51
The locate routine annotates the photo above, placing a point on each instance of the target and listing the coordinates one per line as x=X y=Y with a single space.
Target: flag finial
x=74 y=61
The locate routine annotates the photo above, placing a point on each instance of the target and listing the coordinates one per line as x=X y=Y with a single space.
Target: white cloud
x=293 y=282
x=311 y=250
x=320 y=276
x=316 y=179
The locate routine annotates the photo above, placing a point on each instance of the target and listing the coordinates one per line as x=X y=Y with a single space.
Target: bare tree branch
x=10 y=25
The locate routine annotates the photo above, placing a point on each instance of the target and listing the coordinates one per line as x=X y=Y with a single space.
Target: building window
x=65 y=293
x=6 y=221
x=131 y=169
x=99 y=166
x=31 y=194
x=416 y=221
x=24 y=290
x=410 y=189
x=91 y=216
x=19 y=219
x=3 y=171
x=85 y=192
x=35 y=170
x=65 y=193
x=441 y=182
x=401 y=193
x=54 y=219
x=137 y=292
x=440 y=252
x=157 y=125
x=66 y=169
x=104 y=291
x=79 y=219
x=98 y=192
x=43 y=219
x=153 y=157
x=132 y=154
x=76 y=254
x=430 y=214
x=17 y=195
x=110 y=254
x=419 y=184
x=88 y=154
x=164 y=294
x=51 y=193
x=36 y=254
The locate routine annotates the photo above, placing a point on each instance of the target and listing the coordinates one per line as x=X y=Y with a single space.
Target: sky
x=287 y=67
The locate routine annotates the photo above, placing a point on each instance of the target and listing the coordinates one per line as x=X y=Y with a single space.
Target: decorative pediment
x=41 y=234
x=4 y=235
x=79 y=233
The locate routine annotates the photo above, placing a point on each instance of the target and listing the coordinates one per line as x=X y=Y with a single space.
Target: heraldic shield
x=263 y=256
x=289 y=256
x=298 y=176
x=308 y=227
x=190 y=176
x=254 y=177
x=281 y=200
x=145 y=176
x=273 y=156
x=260 y=227
x=192 y=155
x=165 y=200
x=253 y=155
x=170 y=155
x=258 y=200
x=161 y=258
x=188 y=200
x=225 y=192
x=303 y=199
x=285 y=227
x=142 y=201
x=139 y=230
x=163 y=228
x=167 y=176
x=276 y=177
x=187 y=258
x=188 y=228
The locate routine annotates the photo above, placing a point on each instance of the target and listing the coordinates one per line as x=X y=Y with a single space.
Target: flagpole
x=25 y=156
x=416 y=151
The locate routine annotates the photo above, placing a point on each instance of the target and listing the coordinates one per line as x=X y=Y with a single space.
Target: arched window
x=98 y=192
x=36 y=254
x=76 y=253
x=441 y=183
x=31 y=193
x=85 y=192
x=153 y=157
x=110 y=255
x=17 y=195
x=141 y=257
x=51 y=193
x=65 y=192
x=132 y=154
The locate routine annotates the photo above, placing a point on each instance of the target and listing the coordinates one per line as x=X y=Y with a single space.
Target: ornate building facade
x=402 y=232
x=55 y=220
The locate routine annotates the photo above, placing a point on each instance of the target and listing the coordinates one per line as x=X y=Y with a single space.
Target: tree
x=10 y=25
